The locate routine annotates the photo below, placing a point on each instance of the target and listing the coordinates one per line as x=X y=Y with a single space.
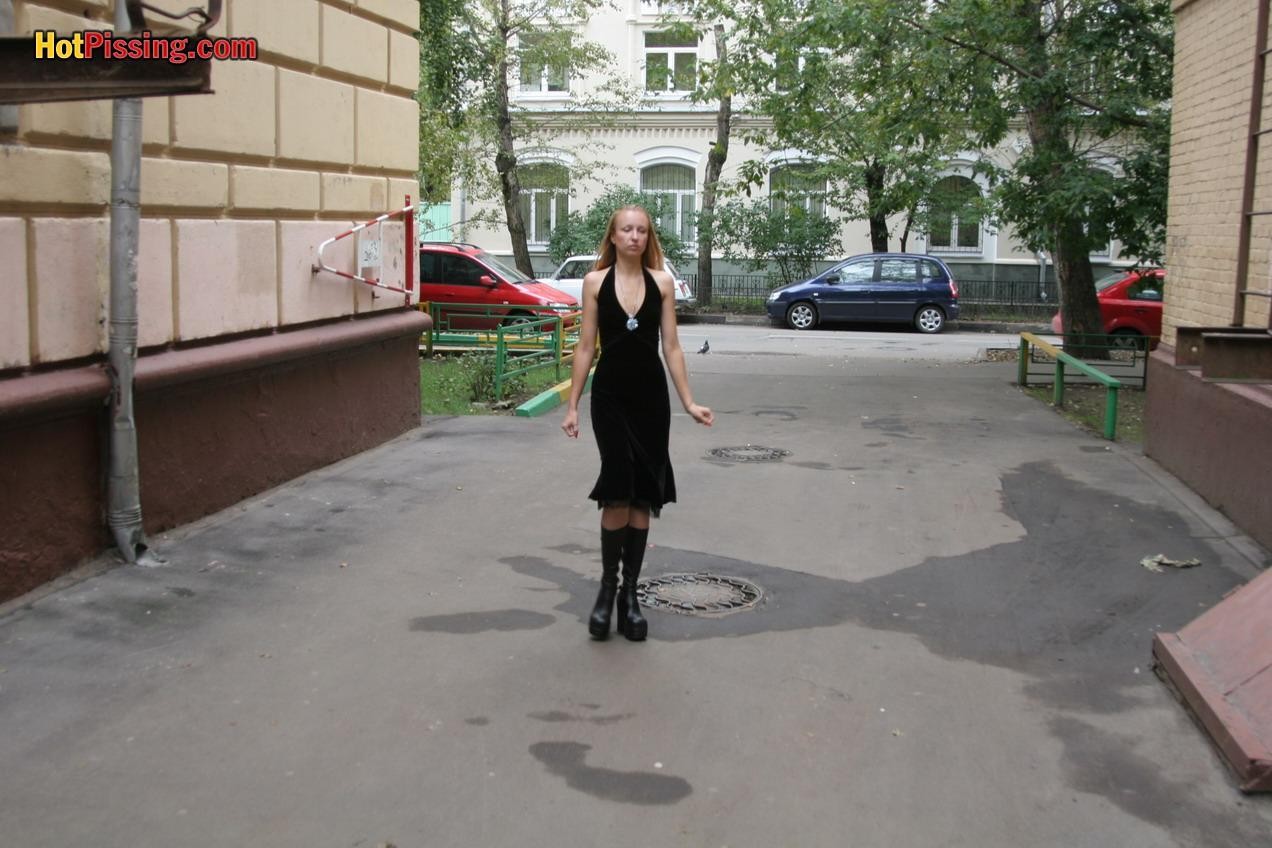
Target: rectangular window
x=897 y=271
x=942 y=227
x=858 y=272
x=545 y=200
x=930 y=270
x=954 y=234
x=797 y=187
x=428 y=268
x=459 y=271
x=671 y=62
x=789 y=67
x=538 y=74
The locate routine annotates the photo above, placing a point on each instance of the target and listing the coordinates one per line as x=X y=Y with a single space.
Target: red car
x=464 y=273
x=1130 y=306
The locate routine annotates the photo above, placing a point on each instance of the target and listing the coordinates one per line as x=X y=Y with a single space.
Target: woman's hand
x=700 y=413
x=571 y=423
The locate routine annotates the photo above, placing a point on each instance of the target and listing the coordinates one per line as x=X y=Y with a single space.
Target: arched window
x=545 y=198
x=797 y=186
x=675 y=183
x=955 y=225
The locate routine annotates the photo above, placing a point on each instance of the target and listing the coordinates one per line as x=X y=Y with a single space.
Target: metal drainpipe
x=123 y=493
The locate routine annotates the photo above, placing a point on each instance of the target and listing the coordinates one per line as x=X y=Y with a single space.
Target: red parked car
x=464 y=273
x=1130 y=306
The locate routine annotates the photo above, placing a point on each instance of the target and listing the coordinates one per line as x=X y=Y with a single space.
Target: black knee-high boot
x=630 y=622
x=611 y=552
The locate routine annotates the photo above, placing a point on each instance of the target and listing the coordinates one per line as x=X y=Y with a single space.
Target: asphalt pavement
x=951 y=644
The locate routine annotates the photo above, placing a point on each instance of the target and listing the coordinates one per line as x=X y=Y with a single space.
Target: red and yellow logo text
x=103 y=44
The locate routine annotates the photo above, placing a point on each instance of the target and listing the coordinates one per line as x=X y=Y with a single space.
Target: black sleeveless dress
x=631 y=412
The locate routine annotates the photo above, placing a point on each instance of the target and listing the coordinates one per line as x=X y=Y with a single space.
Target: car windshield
x=508 y=272
x=575 y=268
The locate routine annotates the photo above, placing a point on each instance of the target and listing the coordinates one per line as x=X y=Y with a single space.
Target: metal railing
x=520 y=343
x=1062 y=359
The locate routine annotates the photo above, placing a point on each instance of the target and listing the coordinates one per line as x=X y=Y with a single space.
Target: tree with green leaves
x=476 y=56
x=761 y=234
x=445 y=64
x=581 y=233
x=1092 y=81
x=834 y=81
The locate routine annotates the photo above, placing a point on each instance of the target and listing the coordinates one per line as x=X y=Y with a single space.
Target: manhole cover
x=698 y=594
x=749 y=453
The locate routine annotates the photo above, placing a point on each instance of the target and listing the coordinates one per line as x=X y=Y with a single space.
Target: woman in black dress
x=630 y=300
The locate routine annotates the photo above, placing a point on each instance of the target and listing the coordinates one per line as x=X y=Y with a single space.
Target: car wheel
x=801 y=316
x=929 y=319
x=515 y=318
x=1124 y=338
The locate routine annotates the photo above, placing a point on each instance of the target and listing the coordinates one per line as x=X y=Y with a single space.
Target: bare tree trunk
x=506 y=166
x=715 y=164
x=905 y=233
x=876 y=173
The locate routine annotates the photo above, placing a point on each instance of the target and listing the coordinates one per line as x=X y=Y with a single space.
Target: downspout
x=1042 y=273
x=123 y=492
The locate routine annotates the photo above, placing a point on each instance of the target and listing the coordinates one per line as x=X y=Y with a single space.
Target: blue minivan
x=907 y=288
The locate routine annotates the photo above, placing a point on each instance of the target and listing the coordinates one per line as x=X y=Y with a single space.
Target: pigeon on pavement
x=706 y=347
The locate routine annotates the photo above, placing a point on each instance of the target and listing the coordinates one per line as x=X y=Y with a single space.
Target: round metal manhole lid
x=698 y=594
x=750 y=453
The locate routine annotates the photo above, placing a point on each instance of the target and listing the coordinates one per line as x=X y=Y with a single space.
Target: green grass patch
x=1084 y=407
x=464 y=385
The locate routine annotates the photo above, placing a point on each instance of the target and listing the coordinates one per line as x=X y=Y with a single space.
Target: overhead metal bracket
x=25 y=79
x=209 y=16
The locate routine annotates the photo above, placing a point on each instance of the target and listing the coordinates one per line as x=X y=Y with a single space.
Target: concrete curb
x=722 y=318
x=550 y=399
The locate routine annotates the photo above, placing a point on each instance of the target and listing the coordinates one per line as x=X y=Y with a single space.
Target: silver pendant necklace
x=632 y=323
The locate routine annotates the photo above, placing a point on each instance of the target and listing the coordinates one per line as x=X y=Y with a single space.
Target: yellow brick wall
x=1211 y=106
x=237 y=187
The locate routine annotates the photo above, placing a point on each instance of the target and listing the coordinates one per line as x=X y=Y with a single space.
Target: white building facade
x=662 y=148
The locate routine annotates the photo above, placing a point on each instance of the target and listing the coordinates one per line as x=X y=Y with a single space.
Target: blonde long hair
x=607 y=255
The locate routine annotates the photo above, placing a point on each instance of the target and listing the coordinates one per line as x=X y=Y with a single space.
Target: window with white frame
x=538 y=75
x=671 y=62
x=797 y=187
x=545 y=199
x=676 y=184
x=662 y=7
x=789 y=66
x=955 y=220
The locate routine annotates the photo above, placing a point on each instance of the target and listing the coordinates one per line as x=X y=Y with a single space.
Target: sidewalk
x=952 y=646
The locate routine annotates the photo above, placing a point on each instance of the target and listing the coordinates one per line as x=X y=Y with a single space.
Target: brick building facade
x=264 y=369
x=1214 y=432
